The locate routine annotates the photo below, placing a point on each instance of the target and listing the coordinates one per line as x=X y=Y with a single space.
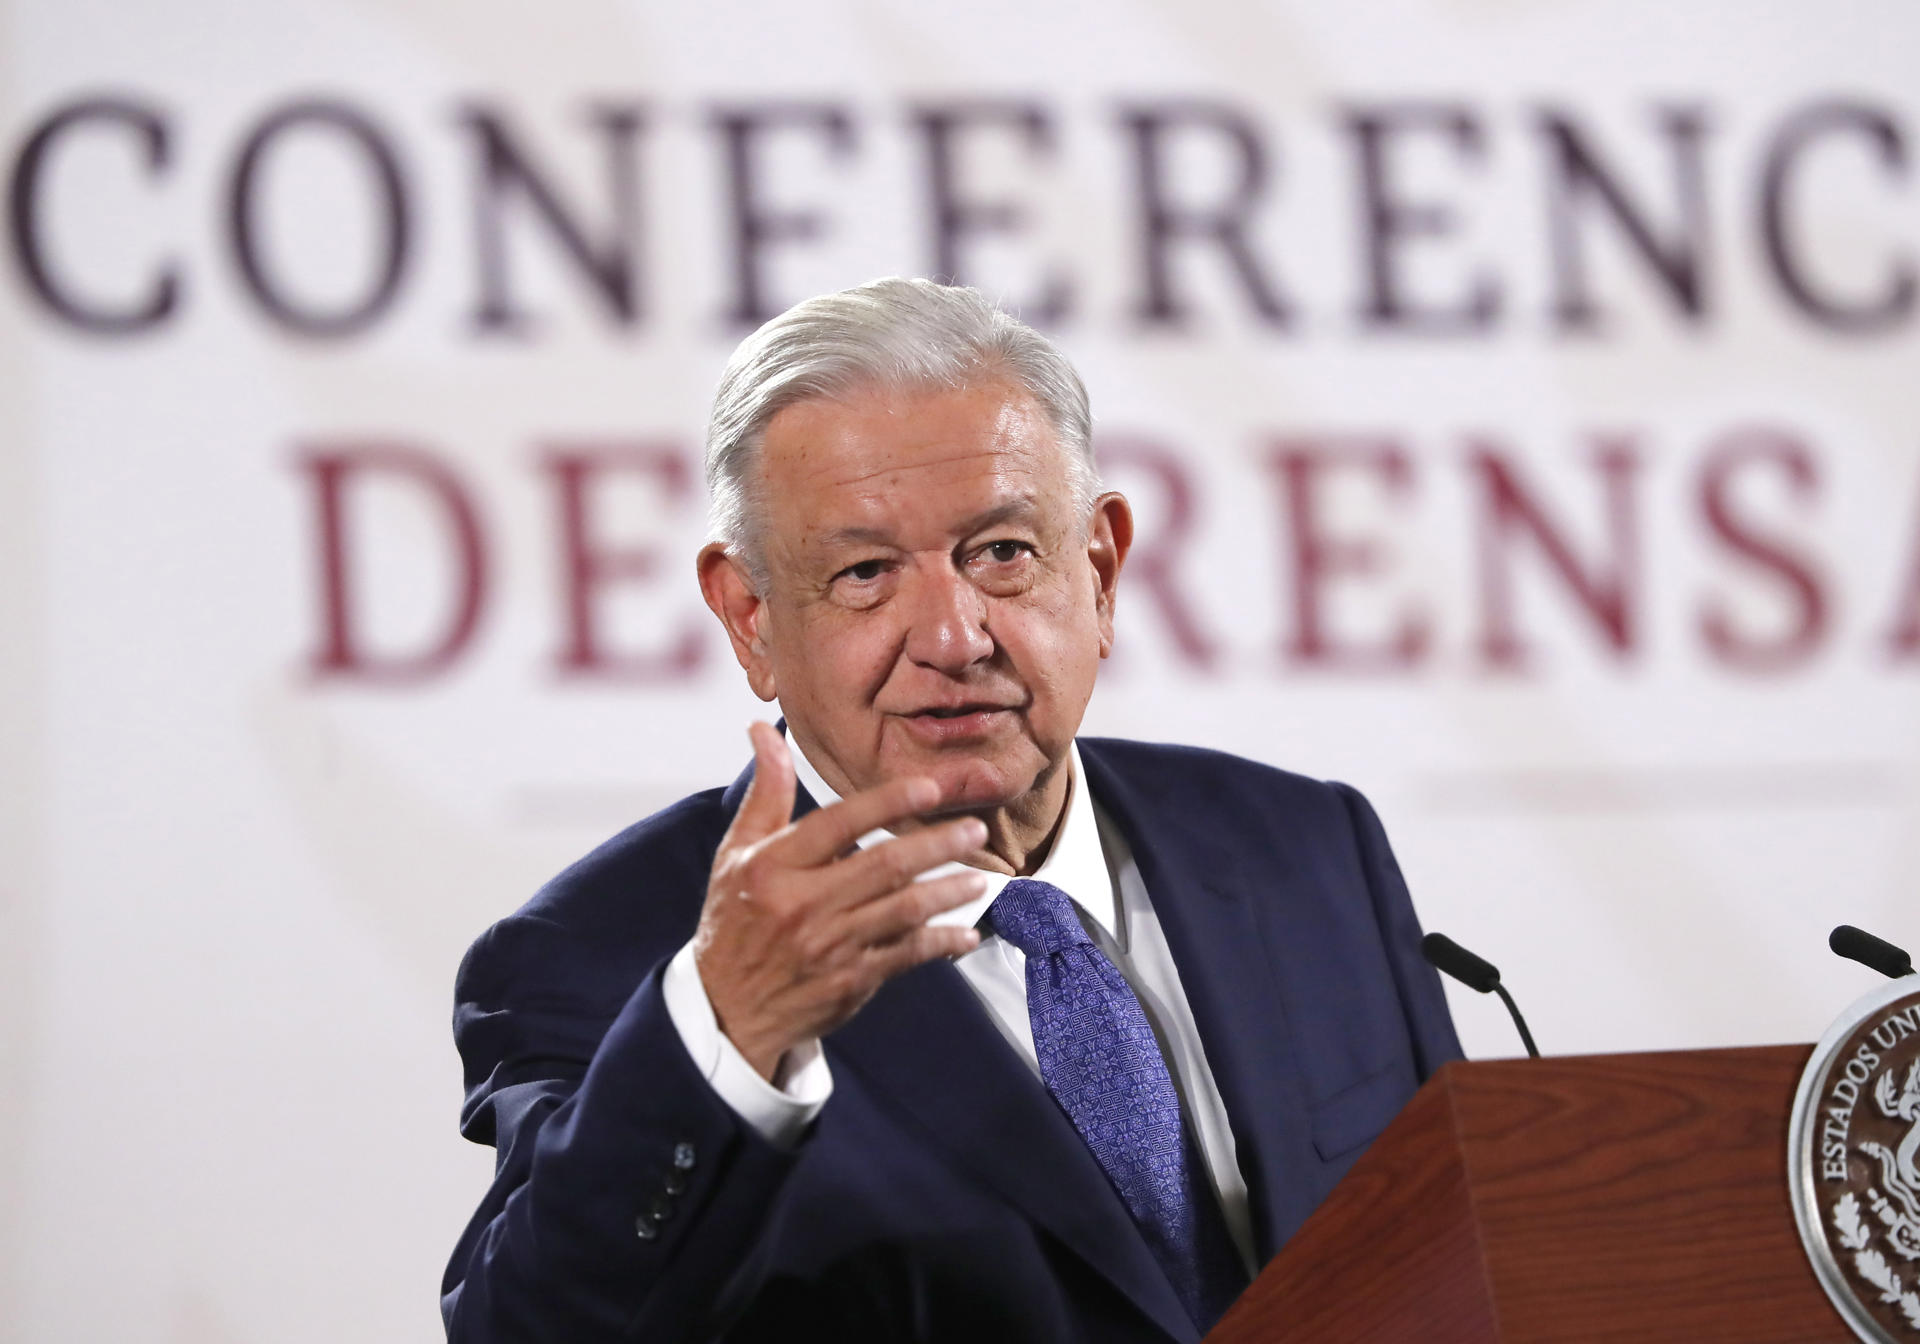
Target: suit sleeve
x=628 y=1198
x=1422 y=1000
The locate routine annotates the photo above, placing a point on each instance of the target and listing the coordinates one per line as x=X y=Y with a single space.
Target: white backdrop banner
x=1520 y=403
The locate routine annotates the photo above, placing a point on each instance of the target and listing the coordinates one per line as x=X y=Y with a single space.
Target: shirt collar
x=1077 y=862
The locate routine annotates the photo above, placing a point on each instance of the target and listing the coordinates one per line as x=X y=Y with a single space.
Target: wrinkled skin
x=933 y=621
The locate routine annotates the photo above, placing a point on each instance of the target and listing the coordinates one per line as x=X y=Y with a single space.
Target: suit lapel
x=927 y=1049
x=1204 y=903
x=926 y=1046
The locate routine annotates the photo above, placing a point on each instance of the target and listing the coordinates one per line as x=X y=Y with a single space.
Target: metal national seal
x=1853 y=1163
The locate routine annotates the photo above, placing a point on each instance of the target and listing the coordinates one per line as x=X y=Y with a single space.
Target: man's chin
x=972 y=784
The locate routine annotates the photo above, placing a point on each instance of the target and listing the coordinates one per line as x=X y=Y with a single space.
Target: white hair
x=895 y=335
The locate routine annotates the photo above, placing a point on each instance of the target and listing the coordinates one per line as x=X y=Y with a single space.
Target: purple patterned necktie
x=1099 y=1058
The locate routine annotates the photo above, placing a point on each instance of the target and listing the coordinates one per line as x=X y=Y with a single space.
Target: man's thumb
x=768 y=804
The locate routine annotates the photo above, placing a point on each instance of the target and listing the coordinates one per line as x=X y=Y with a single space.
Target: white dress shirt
x=1091 y=862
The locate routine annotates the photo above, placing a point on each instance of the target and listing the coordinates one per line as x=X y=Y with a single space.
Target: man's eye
x=864 y=572
x=1006 y=552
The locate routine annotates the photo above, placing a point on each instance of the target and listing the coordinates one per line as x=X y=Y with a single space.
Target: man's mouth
x=953 y=724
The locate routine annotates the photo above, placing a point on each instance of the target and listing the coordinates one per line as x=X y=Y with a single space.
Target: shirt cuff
x=780 y=1113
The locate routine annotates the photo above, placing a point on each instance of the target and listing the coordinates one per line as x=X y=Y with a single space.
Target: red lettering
x=1319 y=557
x=1903 y=639
x=1731 y=457
x=588 y=567
x=1153 y=563
x=342 y=652
x=1606 y=590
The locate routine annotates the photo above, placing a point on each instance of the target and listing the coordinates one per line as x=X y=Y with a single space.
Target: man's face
x=935 y=604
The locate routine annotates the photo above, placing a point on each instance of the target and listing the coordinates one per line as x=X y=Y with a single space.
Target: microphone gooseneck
x=1877 y=953
x=1476 y=973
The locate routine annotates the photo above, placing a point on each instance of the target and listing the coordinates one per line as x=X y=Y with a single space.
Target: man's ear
x=742 y=611
x=1109 y=538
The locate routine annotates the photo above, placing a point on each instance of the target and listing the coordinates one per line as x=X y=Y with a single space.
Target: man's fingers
x=894 y=863
x=768 y=804
x=822 y=836
x=924 y=944
x=893 y=916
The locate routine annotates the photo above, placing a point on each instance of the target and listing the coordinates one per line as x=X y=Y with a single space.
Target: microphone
x=1861 y=946
x=1443 y=954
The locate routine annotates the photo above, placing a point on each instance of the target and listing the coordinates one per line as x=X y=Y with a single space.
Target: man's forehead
x=862 y=461
x=857 y=432
x=875 y=470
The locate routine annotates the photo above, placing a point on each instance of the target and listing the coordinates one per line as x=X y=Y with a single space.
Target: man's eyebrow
x=1021 y=509
x=1014 y=510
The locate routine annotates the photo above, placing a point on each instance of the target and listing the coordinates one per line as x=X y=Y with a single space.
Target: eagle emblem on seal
x=1899 y=1206
x=1855 y=1164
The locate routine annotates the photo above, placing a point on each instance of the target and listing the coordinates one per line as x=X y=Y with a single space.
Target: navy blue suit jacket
x=941 y=1194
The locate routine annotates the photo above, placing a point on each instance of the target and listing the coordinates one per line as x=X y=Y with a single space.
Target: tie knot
x=1036 y=917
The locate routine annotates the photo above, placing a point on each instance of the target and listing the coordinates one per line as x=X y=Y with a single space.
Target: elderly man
x=938 y=1024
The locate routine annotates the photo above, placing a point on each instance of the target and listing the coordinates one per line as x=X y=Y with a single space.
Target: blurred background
x=1520 y=401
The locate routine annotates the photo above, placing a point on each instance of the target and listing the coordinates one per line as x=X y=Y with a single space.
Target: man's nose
x=947 y=620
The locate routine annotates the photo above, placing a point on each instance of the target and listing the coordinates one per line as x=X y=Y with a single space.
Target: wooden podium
x=1608 y=1197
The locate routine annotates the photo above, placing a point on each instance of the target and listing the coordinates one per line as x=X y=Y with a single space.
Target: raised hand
x=797 y=932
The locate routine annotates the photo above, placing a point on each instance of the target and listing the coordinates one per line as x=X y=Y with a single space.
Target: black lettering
x=1163 y=222
x=153 y=141
x=757 y=225
x=391 y=206
x=956 y=217
x=609 y=264
x=1787 y=260
x=1576 y=174
x=1389 y=220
